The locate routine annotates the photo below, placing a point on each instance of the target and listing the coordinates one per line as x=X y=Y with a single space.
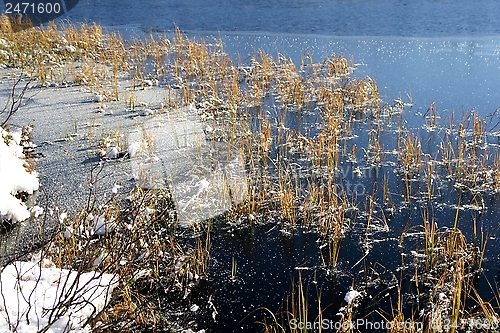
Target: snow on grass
x=14 y=178
x=31 y=290
x=101 y=226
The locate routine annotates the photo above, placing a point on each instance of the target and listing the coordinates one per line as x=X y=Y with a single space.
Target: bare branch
x=15 y=98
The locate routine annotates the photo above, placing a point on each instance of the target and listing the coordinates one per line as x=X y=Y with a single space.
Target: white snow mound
x=29 y=291
x=14 y=178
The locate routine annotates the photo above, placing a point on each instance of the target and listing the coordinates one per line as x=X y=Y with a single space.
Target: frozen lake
x=421 y=18
x=420 y=51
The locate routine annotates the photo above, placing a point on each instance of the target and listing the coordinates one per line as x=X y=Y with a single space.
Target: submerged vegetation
x=323 y=152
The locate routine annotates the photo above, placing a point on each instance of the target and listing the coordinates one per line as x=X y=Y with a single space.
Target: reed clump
x=50 y=51
x=451 y=267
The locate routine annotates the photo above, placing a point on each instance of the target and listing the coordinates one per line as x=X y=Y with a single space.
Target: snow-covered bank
x=14 y=176
x=34 y=296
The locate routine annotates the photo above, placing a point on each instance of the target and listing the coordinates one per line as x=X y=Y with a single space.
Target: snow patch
x=14 y=178
x=31 y=289
x=101 y=226
x=113 y=153
x=351 y=295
